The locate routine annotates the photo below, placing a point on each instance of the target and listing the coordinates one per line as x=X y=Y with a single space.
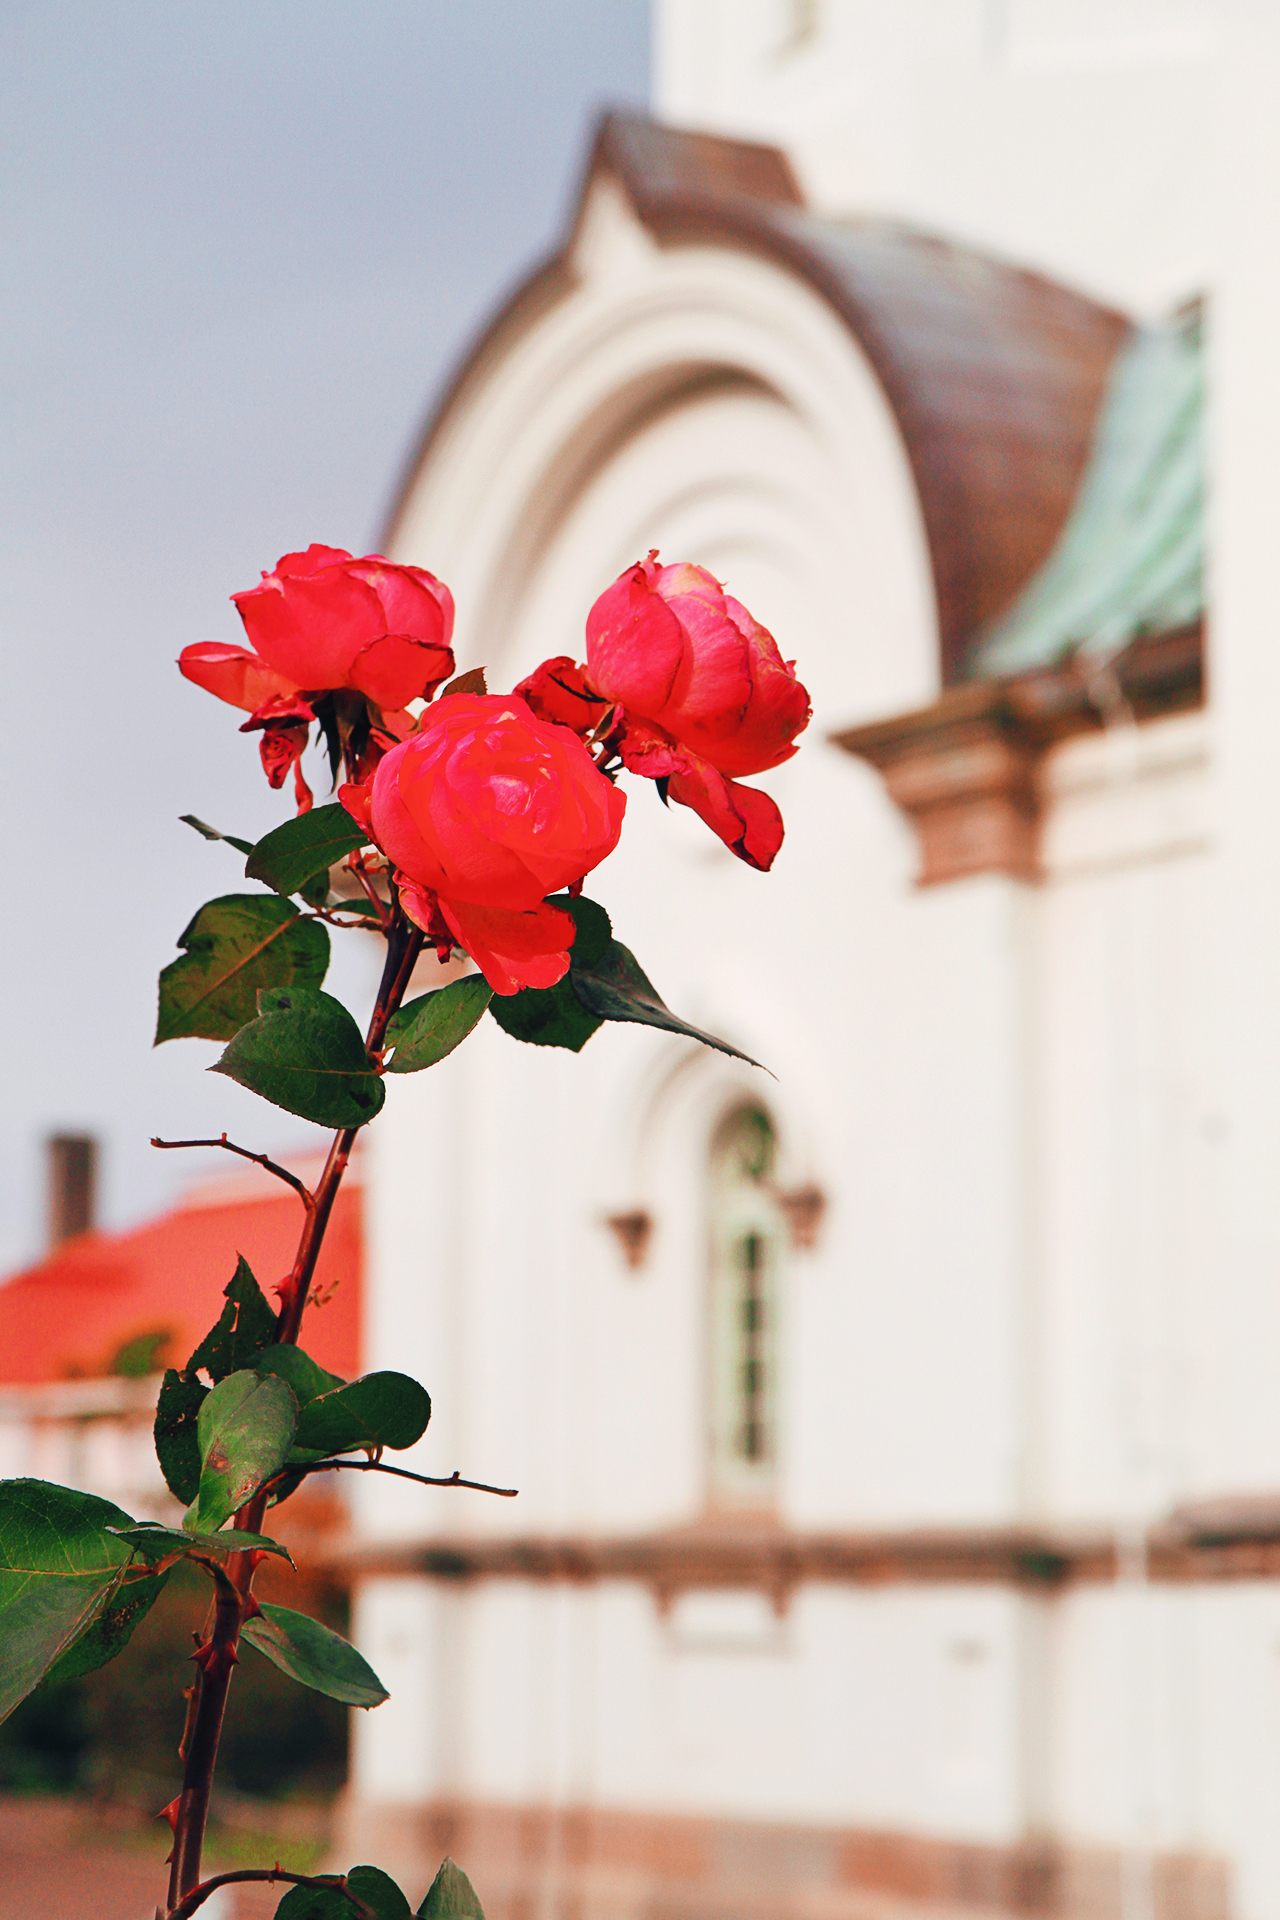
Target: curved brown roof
x=995 y=374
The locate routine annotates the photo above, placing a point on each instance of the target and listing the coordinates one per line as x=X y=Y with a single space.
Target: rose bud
x=325 y=620
x=705 y=695
x=483 y=812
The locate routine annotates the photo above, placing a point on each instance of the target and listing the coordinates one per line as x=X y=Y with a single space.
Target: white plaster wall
x=1070 y=134
x=1132 y=1377
x=883 y=1709
x=1165 y=1726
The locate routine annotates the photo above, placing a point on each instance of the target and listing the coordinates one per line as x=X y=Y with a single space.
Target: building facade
x=895 y=1437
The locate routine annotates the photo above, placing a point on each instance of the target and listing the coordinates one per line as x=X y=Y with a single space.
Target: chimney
x=73 y=1167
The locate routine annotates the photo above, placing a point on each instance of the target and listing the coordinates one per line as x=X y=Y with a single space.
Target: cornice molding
x=966 y=770
x=1222 y=1540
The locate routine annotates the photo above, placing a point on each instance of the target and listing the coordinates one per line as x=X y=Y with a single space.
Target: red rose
x=325 y=620
x=483 y=812
x=705 y=695
x=559 y=691
x=674 y=649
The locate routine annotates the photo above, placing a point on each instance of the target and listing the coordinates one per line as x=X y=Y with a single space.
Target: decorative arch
x=692 y=257
x=647 y=336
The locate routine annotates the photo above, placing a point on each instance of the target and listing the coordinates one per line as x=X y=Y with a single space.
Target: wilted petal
x=280 y=748
x=559 y=691
x=648 y=751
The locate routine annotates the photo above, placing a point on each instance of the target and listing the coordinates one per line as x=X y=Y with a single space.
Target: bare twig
x=328 y=915
x=304 y=1193
x=400 y=1473
x=331 y=1883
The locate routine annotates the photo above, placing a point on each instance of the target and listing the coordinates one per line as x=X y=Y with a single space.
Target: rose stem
x=218 y=1657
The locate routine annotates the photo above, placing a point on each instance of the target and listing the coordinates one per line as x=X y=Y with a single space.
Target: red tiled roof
x=70 y=1315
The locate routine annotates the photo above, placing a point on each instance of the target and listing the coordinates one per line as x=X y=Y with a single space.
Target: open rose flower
x=705 y=696
x=324 y=620
x=482 y=812
x=701 y=692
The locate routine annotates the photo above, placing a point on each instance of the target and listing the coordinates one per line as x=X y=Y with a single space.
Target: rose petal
x=233 y=674
x=648 y=751
x=358 y=801
x=513 y=950
x=747 y=820
x=396 y=669
x=635 y=646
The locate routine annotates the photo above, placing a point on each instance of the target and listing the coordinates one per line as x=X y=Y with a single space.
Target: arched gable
x=691 y=261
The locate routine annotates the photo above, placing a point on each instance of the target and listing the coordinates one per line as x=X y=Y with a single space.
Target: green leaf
x=313 y=1655
x=432 y=1026
x=376 y=1889
x=299 y=1369
x=153 y=1542
x=350 y=903
x=451 y=1896
x=211 y=833
x=594 y=928
x=59 y=1566
x=111 y=1631
x=234 y=946
x=546 y=1016
x=291 y=855
x=379 y=1891
x=304 y=1053
x=316 y=1903
x=246 y=1429
x=554 y=1016
x=176 y=1435
x=378 y=1410
x=245 y=1325
x=615 y=988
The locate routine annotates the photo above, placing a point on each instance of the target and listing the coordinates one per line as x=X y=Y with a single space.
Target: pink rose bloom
x=705 y=693
x=482 y=812
x=325 y=620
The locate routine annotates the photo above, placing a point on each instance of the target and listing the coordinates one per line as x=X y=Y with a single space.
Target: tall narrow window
x=746 y=1247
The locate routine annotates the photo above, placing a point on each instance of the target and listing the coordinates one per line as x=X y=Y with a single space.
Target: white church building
x=898 y=1438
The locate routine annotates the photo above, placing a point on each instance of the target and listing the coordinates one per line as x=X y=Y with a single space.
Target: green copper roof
x=1130 y=559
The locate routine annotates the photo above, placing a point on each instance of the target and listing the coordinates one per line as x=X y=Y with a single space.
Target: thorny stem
x=214 y=1661
x=260 y=1159
x=198 y=1895
x=379 y=904
x=404 y=944
x=216 y=1658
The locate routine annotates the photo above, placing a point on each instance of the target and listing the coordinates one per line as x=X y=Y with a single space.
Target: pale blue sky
x=243 y=244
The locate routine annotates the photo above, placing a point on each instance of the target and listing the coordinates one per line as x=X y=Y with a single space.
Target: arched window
x=747 y=1240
